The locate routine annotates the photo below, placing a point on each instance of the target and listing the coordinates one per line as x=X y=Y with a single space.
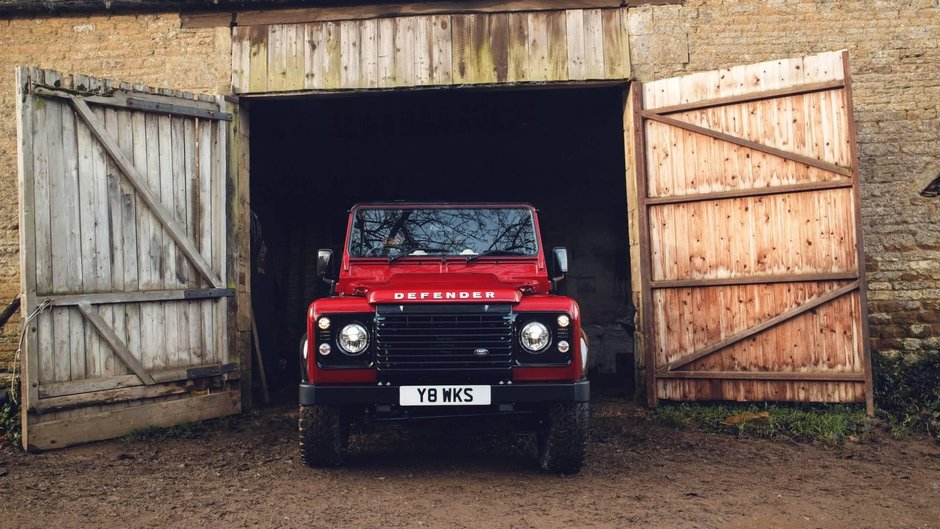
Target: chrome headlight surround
x=353 y=339
x=535 y=337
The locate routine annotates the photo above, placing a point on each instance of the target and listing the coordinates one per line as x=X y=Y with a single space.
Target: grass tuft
x=189 y=430
x=10 y=434
x=907 y=392
x=831 y=425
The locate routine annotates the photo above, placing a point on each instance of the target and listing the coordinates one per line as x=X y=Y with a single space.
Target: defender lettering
x=444 y=295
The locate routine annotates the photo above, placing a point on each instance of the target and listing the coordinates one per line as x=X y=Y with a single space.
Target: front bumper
x=578 y=391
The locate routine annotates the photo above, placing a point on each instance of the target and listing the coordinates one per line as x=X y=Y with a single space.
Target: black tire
x=563 y=436
x=324 y=435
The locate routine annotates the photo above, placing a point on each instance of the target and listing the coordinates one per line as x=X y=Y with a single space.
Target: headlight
x=564 y=321
x=323 y=323
x=534 y=337
x=353 y=339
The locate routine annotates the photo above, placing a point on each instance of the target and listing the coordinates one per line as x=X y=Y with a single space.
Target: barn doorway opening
x=560 y=149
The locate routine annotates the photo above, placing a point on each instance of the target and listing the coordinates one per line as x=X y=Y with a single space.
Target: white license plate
x=444 y=395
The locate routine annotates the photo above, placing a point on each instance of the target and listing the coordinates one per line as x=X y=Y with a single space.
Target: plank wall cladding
x=123 y=232
x=746 y=228
x=432 y=50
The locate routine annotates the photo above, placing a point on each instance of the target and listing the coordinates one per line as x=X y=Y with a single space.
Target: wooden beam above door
x=335 y=13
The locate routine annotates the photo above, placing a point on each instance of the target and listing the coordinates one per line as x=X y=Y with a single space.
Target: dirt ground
x=638 y=475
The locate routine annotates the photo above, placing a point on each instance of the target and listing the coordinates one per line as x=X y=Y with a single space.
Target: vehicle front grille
x=441 y=343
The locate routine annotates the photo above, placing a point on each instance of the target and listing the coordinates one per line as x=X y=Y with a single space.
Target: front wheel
x=563 y=436
x=324 y=435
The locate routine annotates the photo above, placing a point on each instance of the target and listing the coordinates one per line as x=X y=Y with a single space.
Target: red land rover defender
x=442 y=310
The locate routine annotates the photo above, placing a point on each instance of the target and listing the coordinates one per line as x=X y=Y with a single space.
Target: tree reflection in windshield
x=399 y=232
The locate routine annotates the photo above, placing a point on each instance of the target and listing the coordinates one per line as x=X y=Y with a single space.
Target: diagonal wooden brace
x=772 y=322
x=138 y=182
x=793 y=157
x=120 y=349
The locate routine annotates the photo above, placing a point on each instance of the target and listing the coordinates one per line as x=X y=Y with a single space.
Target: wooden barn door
x=748 y=225
x=123 y=232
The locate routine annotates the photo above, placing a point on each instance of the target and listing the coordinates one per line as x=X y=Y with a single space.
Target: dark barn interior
x=314 y=157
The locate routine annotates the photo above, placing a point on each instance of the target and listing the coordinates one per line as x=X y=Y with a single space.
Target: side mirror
x=561 y=261
x=325 y=267
x=559 y=264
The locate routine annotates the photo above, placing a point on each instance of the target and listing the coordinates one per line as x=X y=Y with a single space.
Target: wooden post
x=239 y=245
x=260 y=359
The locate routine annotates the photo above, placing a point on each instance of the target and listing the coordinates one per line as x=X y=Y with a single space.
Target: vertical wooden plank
x=474 y=60
x=89 y=213
x=258 y=59
x=190 y=168
x=385 y=37
x=277 y=57
x=537 y=45
x=181 y=202
x=241 y=231
x=285 y=57
x=547 y=46
x=518 y=47
x=498 y=41
x=62 y=207
x=220 y=228
x=78 y=340
x=313 y=44
x=110 y=271
x=616 y=44
x=441 y=50
x=405 y=51
x=322 y=56
x=593 y=44
x=558 y=47
x=27 y=171
x=241 y=50
x=329 y=60
x=462 y=49
x=168 y=354
x=126 y=203
x=205 y=241
x=295 y=38
x=150 y=241
x=864 y=340
x=423 y=50
x=636 y=106
x=349 y=54
x=96 y=218
x=575 y=41
x=368 y=53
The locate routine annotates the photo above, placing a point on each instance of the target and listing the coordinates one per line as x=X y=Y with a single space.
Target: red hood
x=441 y=288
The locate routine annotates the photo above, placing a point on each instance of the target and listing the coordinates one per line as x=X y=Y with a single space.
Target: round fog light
x=323 y=323
x=324 y=349
x=563 y=346
x=564 y=321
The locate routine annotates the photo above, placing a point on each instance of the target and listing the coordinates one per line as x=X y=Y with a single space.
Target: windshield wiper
x=495 y=253
x=410 y=253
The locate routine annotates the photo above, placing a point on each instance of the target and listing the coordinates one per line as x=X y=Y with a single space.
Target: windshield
x=468 y=232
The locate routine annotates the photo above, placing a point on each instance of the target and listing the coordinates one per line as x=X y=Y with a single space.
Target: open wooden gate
x=123 y=260
x=749 y=242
